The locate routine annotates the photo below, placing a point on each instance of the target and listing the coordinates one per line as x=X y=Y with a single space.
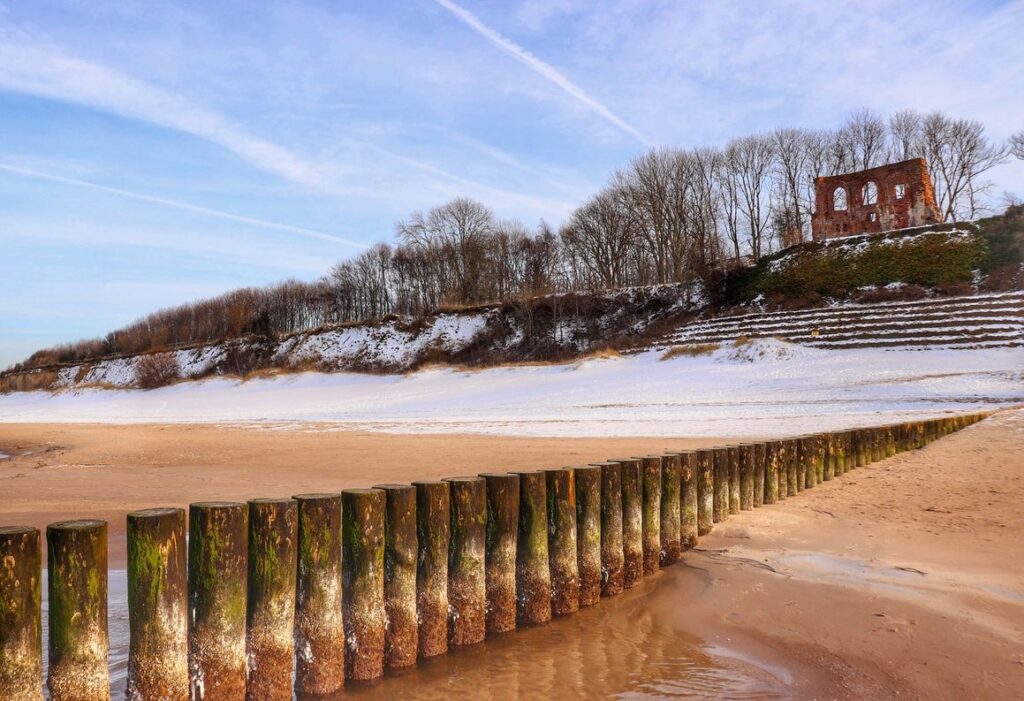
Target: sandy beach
x=904 y=578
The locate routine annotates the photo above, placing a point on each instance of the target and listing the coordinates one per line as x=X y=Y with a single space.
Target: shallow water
x=635 y=646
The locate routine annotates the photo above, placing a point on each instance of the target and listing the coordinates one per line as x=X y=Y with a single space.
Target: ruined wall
x=893 y=196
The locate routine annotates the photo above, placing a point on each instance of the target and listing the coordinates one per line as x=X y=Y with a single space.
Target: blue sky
x=153 y=153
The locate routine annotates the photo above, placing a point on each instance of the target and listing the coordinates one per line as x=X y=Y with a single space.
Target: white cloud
x=539 y=67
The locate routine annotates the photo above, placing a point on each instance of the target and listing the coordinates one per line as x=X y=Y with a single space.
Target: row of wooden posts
x=302 y=594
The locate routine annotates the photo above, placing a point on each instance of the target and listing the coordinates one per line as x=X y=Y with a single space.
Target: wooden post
x=77 y=568
x=500 y=556
x=838 y=454
x=533 y=569
x=651 y=519
x=565 y=572
x=401 y=637
x=362 y=588
x=612 y=556
x=218 y=550
x=632 y=522
x=745 y=461
x=807 y=453
x=734 y=479
x=588 y=533
x=21 y=635
x=433 y=529
x=671 y=501
x=792 y=456
x=688 y=496
x=781 y=468
x=157 y=605
x=705 y=491
x=771 y=472
x=319 y=628
x=760 y=457
x=467 y=579
x=829 y=453
x=720 y=463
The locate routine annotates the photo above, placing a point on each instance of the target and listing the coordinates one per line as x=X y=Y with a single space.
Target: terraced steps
x=976 y=321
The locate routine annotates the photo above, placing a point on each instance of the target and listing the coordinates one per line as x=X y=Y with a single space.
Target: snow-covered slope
x=767 y=387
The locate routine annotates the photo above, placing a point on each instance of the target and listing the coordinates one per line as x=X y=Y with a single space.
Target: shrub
x=689 y=351
x=156 y=370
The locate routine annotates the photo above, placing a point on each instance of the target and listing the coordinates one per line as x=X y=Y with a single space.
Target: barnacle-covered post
x=500 y=557
x=21 y=647
x=612 y=555
x=745 y=459
x=720 y=463
x=759 y=457
x=433 y=528
x=533 y=569
x=734 y=479
x=218 y=551
x=401 y=639
x=362 y=569
x=651 y=524
x=632 y=522
x=705 y=491
x=688 y=499
x=467 y=579
x=319 y=628
x=588 y=533
x=773 y=457
x=671 y=501
x=157 y=605
x=565 y=572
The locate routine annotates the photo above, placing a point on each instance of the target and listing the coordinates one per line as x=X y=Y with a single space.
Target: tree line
x=671 y=216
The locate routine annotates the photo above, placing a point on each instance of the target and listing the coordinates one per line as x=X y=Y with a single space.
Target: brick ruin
x=893 y=196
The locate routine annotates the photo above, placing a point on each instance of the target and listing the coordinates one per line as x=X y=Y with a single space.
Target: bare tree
x=600 y=236
x=749 y=160
x=1017 y=144
x=904 y=135
x=958 y=154
x=862 y=140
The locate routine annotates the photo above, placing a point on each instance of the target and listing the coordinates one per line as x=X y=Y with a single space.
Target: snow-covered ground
x=764 y=388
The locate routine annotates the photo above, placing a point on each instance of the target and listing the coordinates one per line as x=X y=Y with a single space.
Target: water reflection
x=635 y=646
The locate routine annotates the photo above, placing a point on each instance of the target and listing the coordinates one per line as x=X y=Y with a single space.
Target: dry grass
x=689 y=351
x=741 y=341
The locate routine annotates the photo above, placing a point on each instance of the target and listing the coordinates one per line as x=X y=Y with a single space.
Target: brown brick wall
x=915 y=208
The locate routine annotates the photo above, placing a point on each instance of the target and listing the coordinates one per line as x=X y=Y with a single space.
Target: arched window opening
x=839 y=199
x=870 y=193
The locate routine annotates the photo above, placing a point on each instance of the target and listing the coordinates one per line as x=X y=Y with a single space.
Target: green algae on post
x=705 y=491
x=720 y=469
x=612 y=557
x=157 y=605
x=218 y=550
x=588 y=533
x=759 y=457
x=671 y=526
x=273 y=563
x=772 y=460
x=401 y=640
x=734 y=479
x=688 y=499
x=21 y=635
x=79 y=645
x=467 y=580
x=650 y=476
x=500 y=557
x=533 y=571
x=745 y=460
x=319 y=630
x=362 y=587
x=565 y=572
x=632 y=523
x=433 y=527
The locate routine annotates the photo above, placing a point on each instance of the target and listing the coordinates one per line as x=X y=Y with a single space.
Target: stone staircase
x=975 y=321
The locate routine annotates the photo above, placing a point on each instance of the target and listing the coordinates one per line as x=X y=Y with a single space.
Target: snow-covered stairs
x=976 y=321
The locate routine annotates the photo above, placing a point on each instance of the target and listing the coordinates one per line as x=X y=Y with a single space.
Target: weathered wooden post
x=77 y=568
x=650 y=478
x=401 y=637
x=467 y=578
x=565 y=571
x=433 y=529
x=838 y=455
x=273 y=532
x=806 y=466
x=533 y=569
x=760 y=456
x=782 y=468
x=890 y=441
x=828 y=456
x=500 y=550
x=705 y=491
x=720 y=468
x=792 y=458
x=771 y=471
x=588 y=533
x=632 y=522
x=21 y=635
x=157 y=605
x=362 y=588
x=218 y=550
x=734 y=478
x=745 y=459
x=671 y=500
x=612 y=555
x=319 y=627
x=688 y=496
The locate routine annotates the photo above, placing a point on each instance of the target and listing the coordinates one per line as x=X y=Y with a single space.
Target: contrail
x=538 y=66
x=311 y=233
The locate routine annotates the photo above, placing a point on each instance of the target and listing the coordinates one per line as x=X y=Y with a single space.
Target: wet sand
x=902 y=579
